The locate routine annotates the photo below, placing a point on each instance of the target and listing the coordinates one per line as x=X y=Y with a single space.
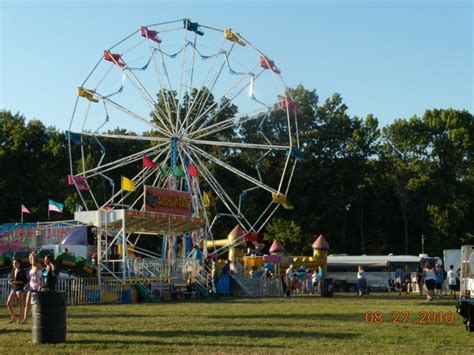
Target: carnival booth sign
x=167 y=201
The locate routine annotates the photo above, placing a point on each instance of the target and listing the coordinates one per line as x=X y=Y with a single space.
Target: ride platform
x=143 y=222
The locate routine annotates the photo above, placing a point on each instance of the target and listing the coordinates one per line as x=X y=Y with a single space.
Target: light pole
x=422 y=243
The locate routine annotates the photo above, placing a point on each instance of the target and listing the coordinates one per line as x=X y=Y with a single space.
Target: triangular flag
x=148 y=163
x=281 y=199
x=193 y=171
x=79 y=181
x=74 y=137
x=178 y=172
x=150 y=34
x=24 y=209
x=205 y=199
x=163 y=171
x=55 y=206
x=127 y=184
x=296 y=153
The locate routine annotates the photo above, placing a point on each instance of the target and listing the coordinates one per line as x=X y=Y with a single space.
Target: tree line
x=368 y=189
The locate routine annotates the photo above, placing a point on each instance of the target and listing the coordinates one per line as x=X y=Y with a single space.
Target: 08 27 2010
x=401 y=317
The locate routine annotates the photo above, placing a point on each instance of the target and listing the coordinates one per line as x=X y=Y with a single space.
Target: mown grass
x=303 y=324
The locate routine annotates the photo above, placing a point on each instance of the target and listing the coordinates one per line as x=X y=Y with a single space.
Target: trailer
x=379 y=269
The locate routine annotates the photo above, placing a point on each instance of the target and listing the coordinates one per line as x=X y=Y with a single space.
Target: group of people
x=297 y=280
x=41 y=277
x=434 y=278
x=429 y=277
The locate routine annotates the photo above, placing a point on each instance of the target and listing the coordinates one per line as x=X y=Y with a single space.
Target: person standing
x=407 y=280
x=17 y=283
x=452 y=281
x=50 y=274
x=430 y=280
x=419 y=280
x=34 y=283
x=216 y=274
x=291 y=279
x=439 y=275
x=315 y=281
x=361 y=281
x=399 y=278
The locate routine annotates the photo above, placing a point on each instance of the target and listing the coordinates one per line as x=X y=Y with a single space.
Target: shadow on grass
x=253 y=334
x=15 y=330
x=173 y=343
x=298 y=316
x=109 y=315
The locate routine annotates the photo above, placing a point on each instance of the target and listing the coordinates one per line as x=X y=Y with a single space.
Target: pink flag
x=24 y=209
x=80 y=182
x=150 y=34
x=290 y=104
x=148 y=163
x=193 y=171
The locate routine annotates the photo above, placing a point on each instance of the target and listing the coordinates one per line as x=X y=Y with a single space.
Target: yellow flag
x=87 y=93
x=127 y=184
x=205 y=199
x=281 y=199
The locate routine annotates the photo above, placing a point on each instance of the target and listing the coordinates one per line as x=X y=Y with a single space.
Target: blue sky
x=390 y=58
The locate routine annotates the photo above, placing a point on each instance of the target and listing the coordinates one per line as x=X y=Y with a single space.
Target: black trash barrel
x=327 y=289
x=49 y=317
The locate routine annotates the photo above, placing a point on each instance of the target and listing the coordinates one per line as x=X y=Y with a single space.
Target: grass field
x=302 y=324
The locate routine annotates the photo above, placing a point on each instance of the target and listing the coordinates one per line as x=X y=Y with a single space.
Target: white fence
x=81 y=291
x=160 y=269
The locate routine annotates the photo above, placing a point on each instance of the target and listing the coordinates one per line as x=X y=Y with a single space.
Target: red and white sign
x=168 y=201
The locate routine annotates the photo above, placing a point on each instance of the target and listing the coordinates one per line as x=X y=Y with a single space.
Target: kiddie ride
x=251 y=271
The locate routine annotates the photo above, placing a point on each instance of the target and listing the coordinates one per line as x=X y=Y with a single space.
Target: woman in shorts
x=17 y=284
x=430 y=280
x=34 y=283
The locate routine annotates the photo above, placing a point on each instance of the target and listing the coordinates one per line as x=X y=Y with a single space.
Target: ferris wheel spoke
x=150 y=102
x=229 y=203
x=203 y=101
x=202 y=105
x=165 y=71
x=182 y=79
x=197 y=98
x=159 y=179
x=137 y=179
x=123 y=136
x=239 y=145
x=122 y=161
x=163 y=92
x=230 y=168
x=227 y=103
x=228 y=123
x=141 y=178
x=134 y=115
x=217 y=188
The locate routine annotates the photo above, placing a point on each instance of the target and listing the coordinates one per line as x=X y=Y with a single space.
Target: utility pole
x=422 y=243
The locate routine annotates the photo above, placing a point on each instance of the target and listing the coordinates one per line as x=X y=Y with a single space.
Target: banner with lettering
x=168 y=201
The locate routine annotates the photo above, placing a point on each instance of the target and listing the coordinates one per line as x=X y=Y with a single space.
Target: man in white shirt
x=452 y=280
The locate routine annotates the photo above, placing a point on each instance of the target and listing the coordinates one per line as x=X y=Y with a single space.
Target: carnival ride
x=193 y=97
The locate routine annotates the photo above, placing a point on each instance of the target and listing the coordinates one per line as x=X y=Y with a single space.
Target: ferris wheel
x=197 y=109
